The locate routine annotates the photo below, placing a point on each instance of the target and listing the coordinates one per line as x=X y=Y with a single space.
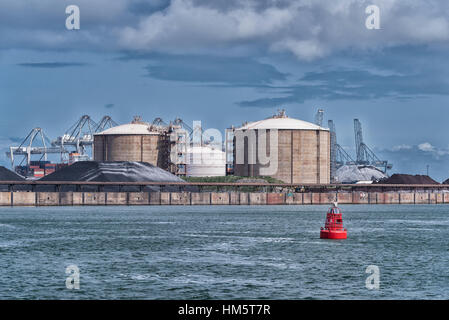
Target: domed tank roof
x=281 y=121
x=136 y=127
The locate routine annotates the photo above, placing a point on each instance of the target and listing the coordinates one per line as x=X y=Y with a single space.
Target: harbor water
x=223 y=252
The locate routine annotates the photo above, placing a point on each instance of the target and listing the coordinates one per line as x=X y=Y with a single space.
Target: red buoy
x=333 y=228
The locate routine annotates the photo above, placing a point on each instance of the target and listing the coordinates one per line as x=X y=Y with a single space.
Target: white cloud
x=185 y=25
x=304 y=50
x=309 y=29
x=426 y=147
x=401 y=147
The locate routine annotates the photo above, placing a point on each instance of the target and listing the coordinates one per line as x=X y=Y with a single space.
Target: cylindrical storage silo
x=131 y=142
x=205 y=161
x=299 y=153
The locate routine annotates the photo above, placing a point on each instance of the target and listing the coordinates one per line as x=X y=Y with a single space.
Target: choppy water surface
x=223 y=252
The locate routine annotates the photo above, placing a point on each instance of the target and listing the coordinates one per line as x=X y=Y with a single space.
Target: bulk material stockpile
x=354 y=174
x=408 y=179
x=116 y=171
x=8 y=175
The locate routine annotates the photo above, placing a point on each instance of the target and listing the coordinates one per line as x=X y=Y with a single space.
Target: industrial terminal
x=277 y=160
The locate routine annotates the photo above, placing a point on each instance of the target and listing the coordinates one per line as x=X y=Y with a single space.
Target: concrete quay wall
x=17 y=198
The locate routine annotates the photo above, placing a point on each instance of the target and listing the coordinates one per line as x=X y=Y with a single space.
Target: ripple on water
x=223 y=252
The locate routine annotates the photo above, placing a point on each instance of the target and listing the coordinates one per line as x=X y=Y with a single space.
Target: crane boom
x=364 y=155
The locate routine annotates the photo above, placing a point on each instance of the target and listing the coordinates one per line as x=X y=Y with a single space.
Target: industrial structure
x=168 y=146
x=135 y=141
x=339 y=157
x=319 y=116
x=80 y=136
x=289 y=150
x=27 y=148
x=367 y=167
x=364 y=155
x=72 y=146
x=302 y=156
x=205 y=161
x=229 y=150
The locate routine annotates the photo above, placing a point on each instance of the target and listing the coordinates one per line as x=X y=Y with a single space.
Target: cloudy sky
x=228 y=61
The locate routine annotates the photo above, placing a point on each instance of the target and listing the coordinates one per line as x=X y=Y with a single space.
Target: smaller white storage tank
x=205 y=161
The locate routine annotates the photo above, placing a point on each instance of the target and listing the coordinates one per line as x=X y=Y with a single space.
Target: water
x=223 y=252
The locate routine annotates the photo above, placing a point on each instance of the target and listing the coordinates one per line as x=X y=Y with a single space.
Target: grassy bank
x=231 y=179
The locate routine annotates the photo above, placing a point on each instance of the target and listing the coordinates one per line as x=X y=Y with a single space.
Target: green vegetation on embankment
x=234 y=179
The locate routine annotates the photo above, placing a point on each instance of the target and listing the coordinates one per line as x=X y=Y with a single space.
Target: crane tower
x=364 y=155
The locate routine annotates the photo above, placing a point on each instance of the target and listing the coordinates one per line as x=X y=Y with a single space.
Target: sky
x=225 y=62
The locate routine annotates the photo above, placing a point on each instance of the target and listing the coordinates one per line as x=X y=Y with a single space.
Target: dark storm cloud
x=52 y=65
x=147 y=7
x=232 y=71
x=109 y=106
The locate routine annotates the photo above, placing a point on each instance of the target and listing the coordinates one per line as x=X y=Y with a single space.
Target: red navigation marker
x=333 y=228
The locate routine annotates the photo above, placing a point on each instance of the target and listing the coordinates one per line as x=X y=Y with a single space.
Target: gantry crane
x=364 y=155
x=80 y=135
x=159 y=122
x=26 y=148
x=105 y=122
x=339 y=156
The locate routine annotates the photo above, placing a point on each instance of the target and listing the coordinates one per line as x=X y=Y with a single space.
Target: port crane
x=364 y=155
x=159 y=122
x=105 y=122
x=182 y=124
x=26 y=148
x=339 y=156
x=81 y=134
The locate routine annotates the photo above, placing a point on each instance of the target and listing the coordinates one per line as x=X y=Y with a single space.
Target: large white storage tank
x=205 y=161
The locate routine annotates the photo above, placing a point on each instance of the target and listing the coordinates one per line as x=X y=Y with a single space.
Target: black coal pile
x=446 y=181
x=408 y=179
x=8 y=175
x=114 y=171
